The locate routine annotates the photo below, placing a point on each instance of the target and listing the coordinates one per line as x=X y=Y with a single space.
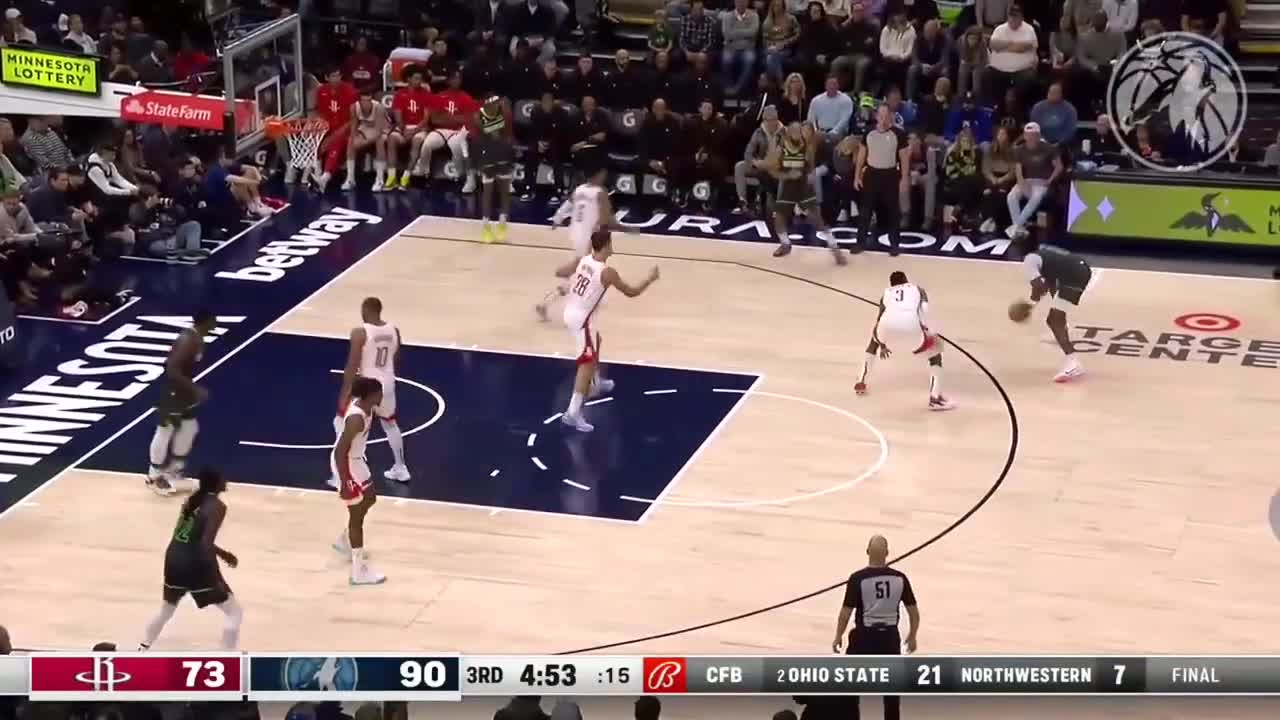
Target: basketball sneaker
x=602 y=386
x=399 y=473
x=784 y=249
x=841 y=258
x=342 y=545
x=160 y=485
x=502 y=231
x=577 y=423
x=470 y=185
x=405 y=179
x=487 y=234
x=391 y=183
x=362 y=574
x=940 y=403
x=1069 y=372
x=349 y=184
x=860 y=388
x=322 y=182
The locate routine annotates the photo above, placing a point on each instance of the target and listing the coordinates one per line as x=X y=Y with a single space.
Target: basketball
x=1019 y=310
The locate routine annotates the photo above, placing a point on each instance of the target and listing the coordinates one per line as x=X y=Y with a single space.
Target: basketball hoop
x=304 y=135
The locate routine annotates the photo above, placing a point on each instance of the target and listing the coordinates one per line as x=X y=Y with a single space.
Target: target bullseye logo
x=1206 y=322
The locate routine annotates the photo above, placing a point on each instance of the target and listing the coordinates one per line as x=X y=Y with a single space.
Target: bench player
x=449 y=112
x=191 y=563
x=356 y=484
x=369 y=128
x=1063 y=276
x=493 y=152
x=375 y=353
x=409 y=117
x=588 y=208
x=590 y=282
x=903 y=323
x=176 y=425
x=333 y=103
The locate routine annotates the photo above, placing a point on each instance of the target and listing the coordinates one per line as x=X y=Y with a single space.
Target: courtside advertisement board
x=1194 y=213
x=50 y=70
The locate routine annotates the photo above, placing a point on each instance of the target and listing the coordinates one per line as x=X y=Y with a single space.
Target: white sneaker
x=290 y=175
x=322 y=182
x=1014 y=231
x=332 y=482
x=1069 y=373
x=160 y=485
x=349 y=184
x=470 y=185
x=601 y=387
x=987 y=226
x=343 y=546
x=940 y=403
x=577 y=423
x=399 y=473
x=844 y=216
x=379 y=184
x=261 y=210
x=365 y=575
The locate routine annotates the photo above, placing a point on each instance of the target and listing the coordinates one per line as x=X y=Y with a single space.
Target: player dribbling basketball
x=1063 y=276
x=903 y=323
x=375 y=353
x=356 y=484
x=590 y=282
x=587 y=209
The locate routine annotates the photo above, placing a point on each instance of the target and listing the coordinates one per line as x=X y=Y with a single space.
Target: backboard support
x=264 y=67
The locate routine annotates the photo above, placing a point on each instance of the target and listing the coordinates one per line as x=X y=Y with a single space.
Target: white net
x=304 y=141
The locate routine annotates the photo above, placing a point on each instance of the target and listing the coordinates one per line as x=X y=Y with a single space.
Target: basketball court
x=732 y=468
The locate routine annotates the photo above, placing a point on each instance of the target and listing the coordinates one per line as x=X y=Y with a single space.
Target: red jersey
x=333 y=103
x=456 y=103
x=412 y=105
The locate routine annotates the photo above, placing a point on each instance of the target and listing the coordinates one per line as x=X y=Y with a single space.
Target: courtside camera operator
x=163 y=228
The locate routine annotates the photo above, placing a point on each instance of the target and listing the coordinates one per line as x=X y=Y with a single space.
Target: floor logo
x=1187 y=80
x=1211 y=219
x=1204 y=342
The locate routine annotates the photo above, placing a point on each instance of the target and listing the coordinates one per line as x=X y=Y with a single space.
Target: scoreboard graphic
x=450 y=677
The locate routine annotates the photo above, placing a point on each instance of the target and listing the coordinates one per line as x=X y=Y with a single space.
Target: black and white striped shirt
x=875 y=593
x=46 y=149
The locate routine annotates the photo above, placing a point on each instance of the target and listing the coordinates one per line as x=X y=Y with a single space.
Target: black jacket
x=549 y=127
x=660 y=139
x=48 y=205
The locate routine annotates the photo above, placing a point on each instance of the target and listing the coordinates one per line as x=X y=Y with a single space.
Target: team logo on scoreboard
x=665 y=675
x=104 y=677
x=320 y=674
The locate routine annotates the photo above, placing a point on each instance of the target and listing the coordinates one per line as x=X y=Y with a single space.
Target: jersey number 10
x=380 y=356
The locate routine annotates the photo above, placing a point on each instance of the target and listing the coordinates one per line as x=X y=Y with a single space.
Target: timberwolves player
x=1063 y=276
x=191 y=562
x=493 y=152
x=177 y=427
x=792 y=163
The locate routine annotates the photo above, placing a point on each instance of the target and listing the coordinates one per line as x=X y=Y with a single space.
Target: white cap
x=64 y=22
x=1031 y=127
x=12 y=14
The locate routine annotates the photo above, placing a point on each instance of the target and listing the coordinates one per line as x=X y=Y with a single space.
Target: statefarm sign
x=200 y=112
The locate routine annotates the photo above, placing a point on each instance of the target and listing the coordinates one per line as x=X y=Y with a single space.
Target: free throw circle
x=1206 y=322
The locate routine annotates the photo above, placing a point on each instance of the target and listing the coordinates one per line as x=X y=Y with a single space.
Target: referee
x=882 y=174
x=872 y=596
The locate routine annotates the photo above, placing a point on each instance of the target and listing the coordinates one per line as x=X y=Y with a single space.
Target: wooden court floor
x=1133 y=518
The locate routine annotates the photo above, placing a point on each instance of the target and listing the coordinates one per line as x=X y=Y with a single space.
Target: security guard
x=872 y=596
x=883 y=171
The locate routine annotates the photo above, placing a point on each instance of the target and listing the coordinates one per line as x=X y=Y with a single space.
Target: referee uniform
x=880 y=181
x=873 y=596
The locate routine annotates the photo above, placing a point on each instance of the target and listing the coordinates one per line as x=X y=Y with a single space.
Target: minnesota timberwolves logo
x=324 y=674
x=1184 y=85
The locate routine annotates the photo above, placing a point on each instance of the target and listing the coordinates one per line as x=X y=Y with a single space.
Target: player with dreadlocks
x=191 y=562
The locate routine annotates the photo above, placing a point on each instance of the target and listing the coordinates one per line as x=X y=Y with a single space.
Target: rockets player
x=587 y=209
x=590 y=282
x=356 y=489
x=370 y=126
x=409 y=110
x=903 y=323
x=449 y=111
x=334 y=100
x=375 y=353
x=493 y=152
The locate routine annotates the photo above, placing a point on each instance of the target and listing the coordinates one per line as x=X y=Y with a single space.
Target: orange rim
x=276 y=127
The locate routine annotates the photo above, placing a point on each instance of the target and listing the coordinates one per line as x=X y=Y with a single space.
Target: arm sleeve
x=908 y=594
x=1031 y=265
x=99 y=179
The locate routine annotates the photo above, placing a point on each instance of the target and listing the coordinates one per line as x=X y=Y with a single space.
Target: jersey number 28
x=580 y=284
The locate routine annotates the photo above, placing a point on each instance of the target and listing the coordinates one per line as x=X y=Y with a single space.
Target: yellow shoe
x=487 y=236
x=502 y=231
x=404 y=180
x=391 y=182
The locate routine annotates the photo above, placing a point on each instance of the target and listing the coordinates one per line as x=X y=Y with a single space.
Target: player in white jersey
x=591 y=280
x=588 y=208
x=375 y=353
x=356 y=489
x=903 y=323
x=370 y=125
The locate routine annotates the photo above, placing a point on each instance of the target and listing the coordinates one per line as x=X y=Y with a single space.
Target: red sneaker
x=860 y=388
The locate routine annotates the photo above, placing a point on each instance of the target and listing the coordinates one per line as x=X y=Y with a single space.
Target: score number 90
x=430 y=674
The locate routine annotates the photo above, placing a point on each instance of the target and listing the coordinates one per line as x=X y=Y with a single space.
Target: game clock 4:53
x=551 y=675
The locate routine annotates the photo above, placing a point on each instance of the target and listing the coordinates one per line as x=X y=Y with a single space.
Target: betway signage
x=737 y=228
x=200 y=112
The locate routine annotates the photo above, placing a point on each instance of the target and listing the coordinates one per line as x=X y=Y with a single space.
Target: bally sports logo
x=666 y=675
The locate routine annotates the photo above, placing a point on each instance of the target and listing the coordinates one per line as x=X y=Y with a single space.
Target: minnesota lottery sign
x=50 y=70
